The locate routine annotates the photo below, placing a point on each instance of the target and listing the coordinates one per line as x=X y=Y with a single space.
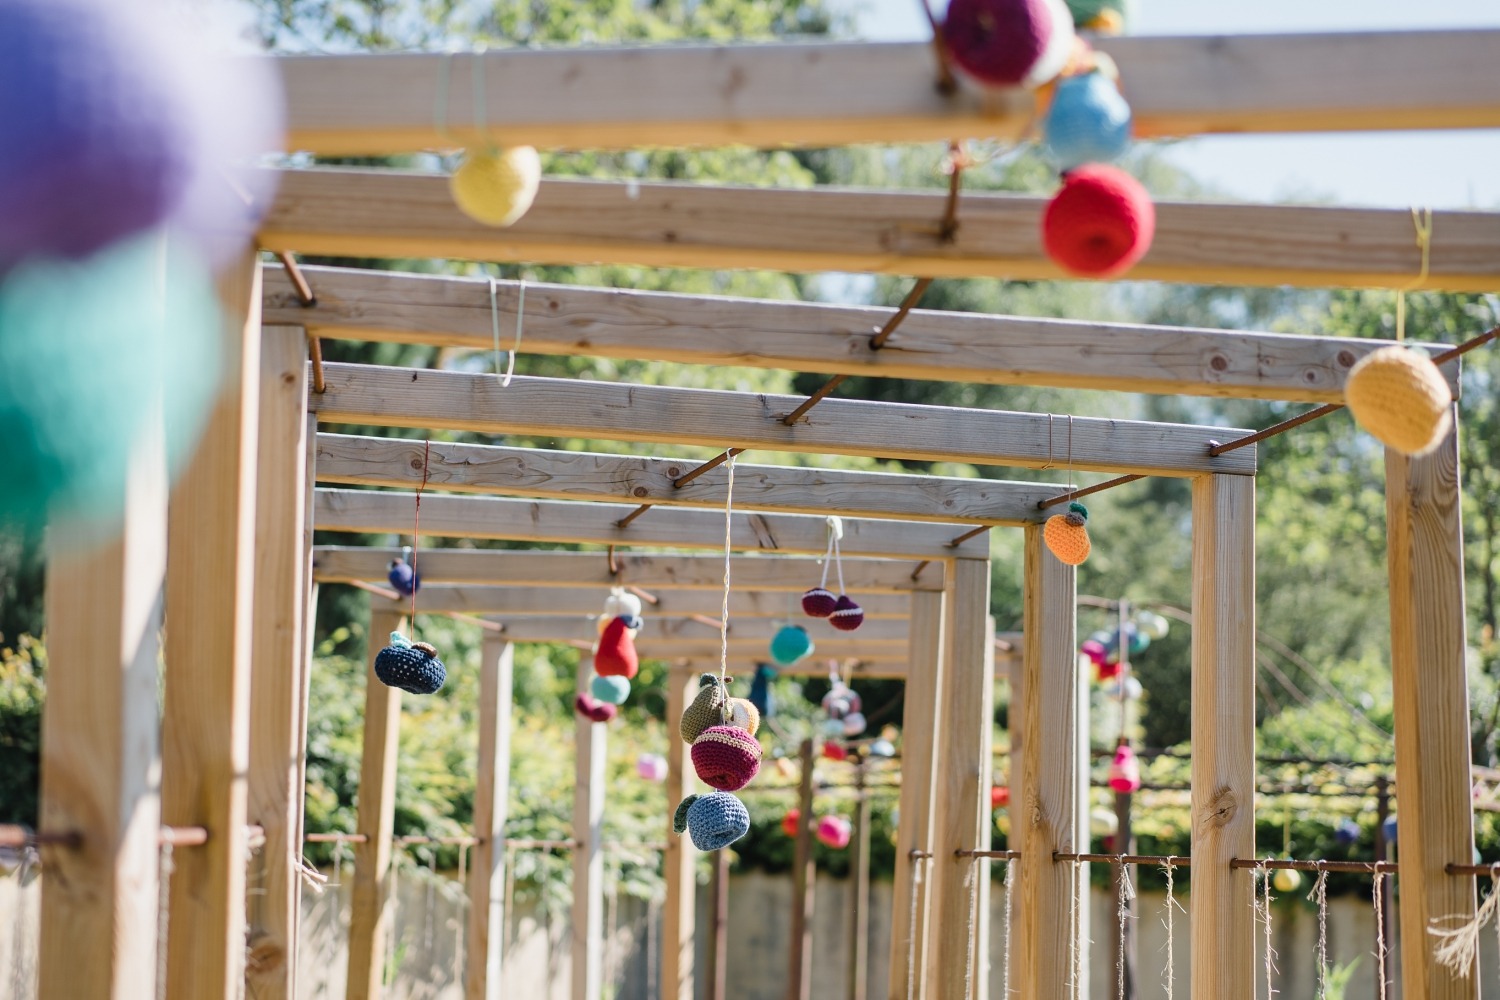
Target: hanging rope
x=971 y=882
x=1319 y=895
x=911 y=926
x=1265 y=908
x=163 y=915
x=1460 y=948
x=1127 y=893
x=1378 y=889
x=1170 y=973
x=1075 y=916
x=724 y=608
x=1421 y=219
x=416 y=530
x=510 y=365
x=1010 y=895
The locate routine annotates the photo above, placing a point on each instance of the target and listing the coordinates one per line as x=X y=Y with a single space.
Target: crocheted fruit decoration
x=760 y=690
x=791 y=821
x=1125 y=770
x=612 y=690
x=403 y=578
x=853 y=724
x=790 y=644
x=1067 y=535
x=1008 y=42
x=714 y=821
x=651 y=766
x=841 y=700
x=834 y=751
x=621 y=603
x=847 y=616
x=744 y=715
x=496 y=186
x=1346 y=832
x=410 y=666
x=834 y=832
x=1087 y=122
x=1287 y=880
x=706 y=710
x=593 y=709
x=615 y=656
x=1400 y=397
x=1107 y=17
x=726 y=757
x=999 y=796
x=819 y=603
x=1100 y=223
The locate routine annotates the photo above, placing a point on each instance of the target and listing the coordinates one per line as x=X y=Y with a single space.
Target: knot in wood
x=1223 y=807
x=1218 y=363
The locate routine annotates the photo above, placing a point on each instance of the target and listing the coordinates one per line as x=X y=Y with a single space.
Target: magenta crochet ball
x=1009 y=42
x=726 y=757
x=1100 y=223
x=847 y=616
x=818 y=603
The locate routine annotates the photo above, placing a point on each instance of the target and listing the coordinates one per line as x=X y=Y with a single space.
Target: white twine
x=163 y=916
x=1376 y=895
x=972 y=881
x=724 y=609
x=1460 y=948
x=510 y=365
x=1075 y=919
x=1319 y=895
x=1265 y=909
x=1169 y=973
x=1127 y=893
x=1010 y=895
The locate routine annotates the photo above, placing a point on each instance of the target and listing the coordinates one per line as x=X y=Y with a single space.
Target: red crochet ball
x=999 y=796
x=1000 y=41
x=592 y=709
x=818 y=603
x=847 y=616
x=790 y=822
x=1100 y=223
x=726 y=757
x=615 y=656
x=834 y=751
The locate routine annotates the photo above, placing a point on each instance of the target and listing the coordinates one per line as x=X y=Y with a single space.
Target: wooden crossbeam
x=814 y=337
x=836 y=93
x=556 y=603
x=405 y=397
x=575 y=475
x=664 y=630
x=367 y=213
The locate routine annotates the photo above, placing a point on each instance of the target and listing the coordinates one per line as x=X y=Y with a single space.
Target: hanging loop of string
x=1319 y=896
x=1421 y=220
x=1127 y=893
x=1266 y=897
x=1010 y=895
x=1376 y=894
x=416 y=531
x=515 y=348
x=1169 y=973
x=724 y=609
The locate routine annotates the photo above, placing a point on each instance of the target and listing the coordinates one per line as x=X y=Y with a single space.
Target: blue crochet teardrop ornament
x=410 y=666
x=790 y=644
x=1088 y=122
x=760 y=690
x=714 y=821
x=612 y=690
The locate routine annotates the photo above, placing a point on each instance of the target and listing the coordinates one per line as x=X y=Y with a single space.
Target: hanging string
x=1421 y=220
x=724 y=608
x=1075 y=920
x=1010 y=895
x=510 y=365
x=911 y=929
x=1376 y=894
x=1460 y=948
x=1265 y=909
x=1127 y=893
x=1172 y=904
x=163 y=915
x=416 y=529
x=827 y=559
x=971 y=881
x=1319 y=895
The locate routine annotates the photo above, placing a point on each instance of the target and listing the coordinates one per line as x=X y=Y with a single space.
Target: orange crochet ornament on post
x=1067 y=535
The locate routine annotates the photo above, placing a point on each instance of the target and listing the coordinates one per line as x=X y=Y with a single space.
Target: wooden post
x=679 y=913
x=859 y=877
x=369 y=906
x=719 y=955
x=484 y=959
x=1223 y=899
x=588 y=856
x=963 y=783
x=206 y=711
x=1046 y=811
x=919 y=724
x=309 y=634
x=100 y=752
x=804 y=885
x=1435 y=819
x=277 y=652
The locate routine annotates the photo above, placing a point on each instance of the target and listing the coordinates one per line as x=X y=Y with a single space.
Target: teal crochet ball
x=612 y=690
x=790 y=644
x=87 y=347
x=1088 y=122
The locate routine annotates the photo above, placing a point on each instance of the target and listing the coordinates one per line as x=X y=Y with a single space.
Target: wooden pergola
x=235 y=564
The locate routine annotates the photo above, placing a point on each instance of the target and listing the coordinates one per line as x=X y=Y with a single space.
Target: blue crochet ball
x=412 y=667
x=717 y=820
x=1347 y=832
x=613 y=690
x=1390 y=828
x=790 y=644
x=1088 y=122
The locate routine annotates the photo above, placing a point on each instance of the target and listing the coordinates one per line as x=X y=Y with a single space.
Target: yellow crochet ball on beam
x=496 y=186
x=1401 y=398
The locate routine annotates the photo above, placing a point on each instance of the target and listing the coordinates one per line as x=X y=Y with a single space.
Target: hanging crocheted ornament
x=847 y=616
x=651 y=766
x=819 y=603
x=1152 y=624
x=410 y=666
x=834 y=832
x=1088 y=121
x=1390 y=828
x=882 y=748
x=841 y=700
x=706 y=710
x=744 y=715
x=1106 y=17
x=496 y=186
x=834 y=751
x=1400 y=397
x=1125 y=770
x=999 y=796
x=1009 y=42
x=790 y=644
x=1100 y=223
x=1067 y=535
x=714 y=821
x=616 y=656
x=853 y=724
x=1094 y=650
x=403 y=578
x=1287 y=880
x=621 y=604
x=1346 y=832
x=612 y=690
x=593 y=709
x=791 y=821
x=760 y=690
x=726 y=757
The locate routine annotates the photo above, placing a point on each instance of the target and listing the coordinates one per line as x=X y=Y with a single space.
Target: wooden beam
x=206 y=708
x=837 y=93
x=567 y=408
x=626 y=324
x=1223 y=696
x=587 y=925
x=557 y=603
x=484 y=956
x=665 y=630
x=679 y=912
x=568 y=475
x=354 y=213
x=309 y=632
x=447 y=516
x=369 y=907
x=1428 y=651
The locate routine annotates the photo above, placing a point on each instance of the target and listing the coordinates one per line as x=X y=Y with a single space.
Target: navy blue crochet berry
x=714 y=821
x=410 y=666
x=403 y=577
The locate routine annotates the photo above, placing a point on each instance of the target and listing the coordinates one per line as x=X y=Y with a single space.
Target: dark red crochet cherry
x=847 y=616
x=1100 y=223
x=818 y=603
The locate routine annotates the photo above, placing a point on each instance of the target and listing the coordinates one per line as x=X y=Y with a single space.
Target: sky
x=1379 y=169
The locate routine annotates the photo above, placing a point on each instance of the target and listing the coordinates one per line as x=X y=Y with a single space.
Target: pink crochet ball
x=726 y=757
x=1009 y=42
x=1094 y=650
x=847 y=616
x=818 y=603
x=651 y=766
x=1100 y=223
x=834 y=831
x=592 y=709
x=1125 y=770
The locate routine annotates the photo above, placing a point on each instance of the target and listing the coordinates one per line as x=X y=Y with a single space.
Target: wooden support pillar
x=369 y=908
x=1222 y=909
x=1435 y=812
x=920 y=723
x=277 y=651
x=484 y=968
x=588 y=856
x=962 y=784
x=1046 y=809
x=679 y=914
x=804 y=885
x=206 y=711
x=859 y=877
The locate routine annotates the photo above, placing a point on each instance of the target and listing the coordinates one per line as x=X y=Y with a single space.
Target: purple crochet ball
x=818 y=603
x=1008 y=42
x=726 y=757
x=847 y=616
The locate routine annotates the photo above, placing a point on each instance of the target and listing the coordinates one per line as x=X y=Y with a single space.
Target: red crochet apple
x=1009 y=42
x=1100 y=223
x=615 y=656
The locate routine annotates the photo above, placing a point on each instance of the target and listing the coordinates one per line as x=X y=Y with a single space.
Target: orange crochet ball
x=1067 y=535
x=1401 y=398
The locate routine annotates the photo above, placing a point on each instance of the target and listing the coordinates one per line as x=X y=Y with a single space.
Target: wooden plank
x=1223 y=696
x=567 y=475
x=557 y=603
x=920 y=723
x=277 y=652
x=447 y=516
x=367 y=213
x=484 y=955
x=963 y=782
x=1428 y=649
x=626 y=324
x=206 y=709
x=568 y=408
x=100 y=753
x=679 y=912
x=309 y=633
x=804 y=883
x=1045 y=805
x=665 y=630
x=369 y=907
x=589 y=780
x=836 y=93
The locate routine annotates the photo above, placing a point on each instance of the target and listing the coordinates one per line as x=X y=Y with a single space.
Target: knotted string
x=1010 y=895
x=1265 y=907
x=1127 y=893
x=1460 y=948
x=724 y=609
x=1376 y=895
x=510 y=365
x=971 y=879
x=911 y=929
x=1421 y=220
x=1319 y=895
x=1172 y=904
x=416 y=529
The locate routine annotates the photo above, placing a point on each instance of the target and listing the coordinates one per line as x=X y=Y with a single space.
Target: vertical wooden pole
x=679 y=913
x=277 y=650
x=963 y=783
x=588 y=856
x=719 y=956
x=100 y=754
x=484 y=961
x=1435 y=819
x=1223 y=709
x=804 y=886
x=309 y=636
x=369 y=909
x=980 y=956
x=1045 y=809
x=859 y=877
x=206 y=711
x=919 y=725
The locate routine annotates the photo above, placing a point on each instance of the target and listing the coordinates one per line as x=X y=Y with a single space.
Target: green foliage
x=22 y=690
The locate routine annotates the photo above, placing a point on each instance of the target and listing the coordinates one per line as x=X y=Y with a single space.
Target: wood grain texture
x=309 y=631
x=459 y=401
x=1223 y=720
x=556 y=603
x=679 y=912
x=368 y=213
x=206 y=706
x=665 y=630
x=817 y=337
x=567 y=475
x=1428 y=647
x=589 y=782
x=484 y=954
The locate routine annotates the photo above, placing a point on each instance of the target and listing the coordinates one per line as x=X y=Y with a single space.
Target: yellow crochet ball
x=744 y=714
x=496 y=186
x=1287 y=880
x=1400 y=397
x=1067 y=535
